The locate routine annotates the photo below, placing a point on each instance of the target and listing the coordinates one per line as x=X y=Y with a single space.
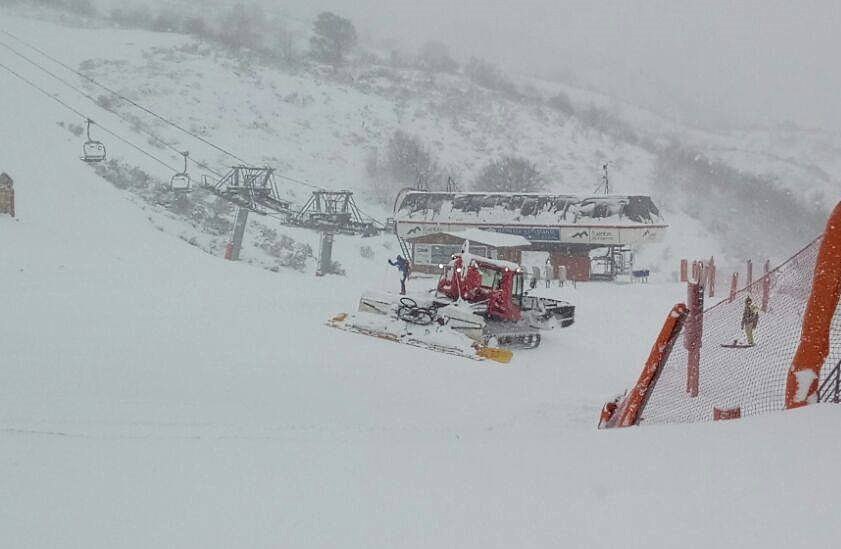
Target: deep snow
x=152 y=395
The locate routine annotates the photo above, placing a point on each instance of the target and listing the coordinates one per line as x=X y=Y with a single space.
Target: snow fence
x=701 y=367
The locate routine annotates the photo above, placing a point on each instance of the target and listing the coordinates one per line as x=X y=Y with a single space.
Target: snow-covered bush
x=136 y=17
x=509 y=174
x=336 y=268
x=489 y=76
x=561 y=102
x=196 y=26
x=610 y=123
x=333 y=38
x=406 y=162
x=366 y=251
x=242 y=26
x=285 y=250
x=435 y=57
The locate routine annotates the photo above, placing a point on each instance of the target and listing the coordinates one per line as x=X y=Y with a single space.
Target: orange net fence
x=733 y=359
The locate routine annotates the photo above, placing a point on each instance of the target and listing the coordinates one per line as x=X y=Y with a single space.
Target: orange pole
x=750 y=274
x=805 y=372
x=636 y=399
x=684 y=270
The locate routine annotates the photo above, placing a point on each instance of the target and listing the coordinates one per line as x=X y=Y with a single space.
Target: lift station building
x=583 y=233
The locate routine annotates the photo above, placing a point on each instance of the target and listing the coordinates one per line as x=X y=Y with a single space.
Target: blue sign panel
x=533 y=234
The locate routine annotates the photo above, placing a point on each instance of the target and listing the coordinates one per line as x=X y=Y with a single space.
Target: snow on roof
x=490 y=238
x=525 y=208
x=467 y=258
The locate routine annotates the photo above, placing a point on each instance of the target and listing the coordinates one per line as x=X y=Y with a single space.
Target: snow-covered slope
x=153 y=395
x=319 y=125
x=319 y=128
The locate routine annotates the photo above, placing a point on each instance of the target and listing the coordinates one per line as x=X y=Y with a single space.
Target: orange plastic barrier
x=720 y=414
x=635 y=401
x=804 y=374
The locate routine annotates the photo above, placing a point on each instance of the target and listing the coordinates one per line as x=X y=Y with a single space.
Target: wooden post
x=7 y=195
x=696 y=272
x=692 y=336
x=734 y=285
x=684 y=270
x=711 y=277
x=750 y=275
x=766 y=286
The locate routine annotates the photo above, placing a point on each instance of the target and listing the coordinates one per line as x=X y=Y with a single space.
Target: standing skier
x=750 y=319
x=548 y=272
x=535 y=276
x=402 y=265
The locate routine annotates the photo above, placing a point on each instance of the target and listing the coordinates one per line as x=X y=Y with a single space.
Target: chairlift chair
x=180 y=182
x=92 y=151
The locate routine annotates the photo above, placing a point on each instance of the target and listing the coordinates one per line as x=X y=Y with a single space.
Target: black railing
x=830 y=389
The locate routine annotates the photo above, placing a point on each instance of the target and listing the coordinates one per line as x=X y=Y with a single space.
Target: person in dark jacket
x=402 y=265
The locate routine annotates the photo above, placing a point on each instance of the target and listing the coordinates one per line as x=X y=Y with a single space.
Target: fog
x=713 y=63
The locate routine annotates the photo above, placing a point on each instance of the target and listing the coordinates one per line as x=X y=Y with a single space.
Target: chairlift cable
x=150 y=111
x=124 y=98
x=84 y=116
x=114 y=112
x=298 y=181
x=139 y=106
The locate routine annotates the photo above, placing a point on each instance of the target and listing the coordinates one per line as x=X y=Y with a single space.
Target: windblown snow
x=154 y=395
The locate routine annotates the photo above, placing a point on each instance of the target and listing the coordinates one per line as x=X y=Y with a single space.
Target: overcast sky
x=712 y=61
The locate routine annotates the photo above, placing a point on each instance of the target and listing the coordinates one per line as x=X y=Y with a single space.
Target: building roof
x=525 y=209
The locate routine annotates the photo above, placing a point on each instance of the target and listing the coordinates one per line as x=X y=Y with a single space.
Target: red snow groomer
x=495 y=290
x=478 y=310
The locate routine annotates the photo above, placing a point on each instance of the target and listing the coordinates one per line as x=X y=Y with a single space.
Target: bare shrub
x=333 y=37
x=405 y=162
x=509 y=174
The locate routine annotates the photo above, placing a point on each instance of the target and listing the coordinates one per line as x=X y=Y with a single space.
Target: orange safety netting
x=741 y=381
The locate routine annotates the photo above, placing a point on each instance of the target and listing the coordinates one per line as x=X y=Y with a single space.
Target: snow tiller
x=478 y=310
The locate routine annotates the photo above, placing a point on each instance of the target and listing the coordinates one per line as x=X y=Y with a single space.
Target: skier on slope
x=402 y=265
x=750 y=319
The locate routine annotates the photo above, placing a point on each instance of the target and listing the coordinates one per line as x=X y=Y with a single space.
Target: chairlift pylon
x=180 y=182
x=92 y=150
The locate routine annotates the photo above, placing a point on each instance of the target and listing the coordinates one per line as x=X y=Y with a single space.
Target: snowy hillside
x=321 y=126
x=155 y=395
